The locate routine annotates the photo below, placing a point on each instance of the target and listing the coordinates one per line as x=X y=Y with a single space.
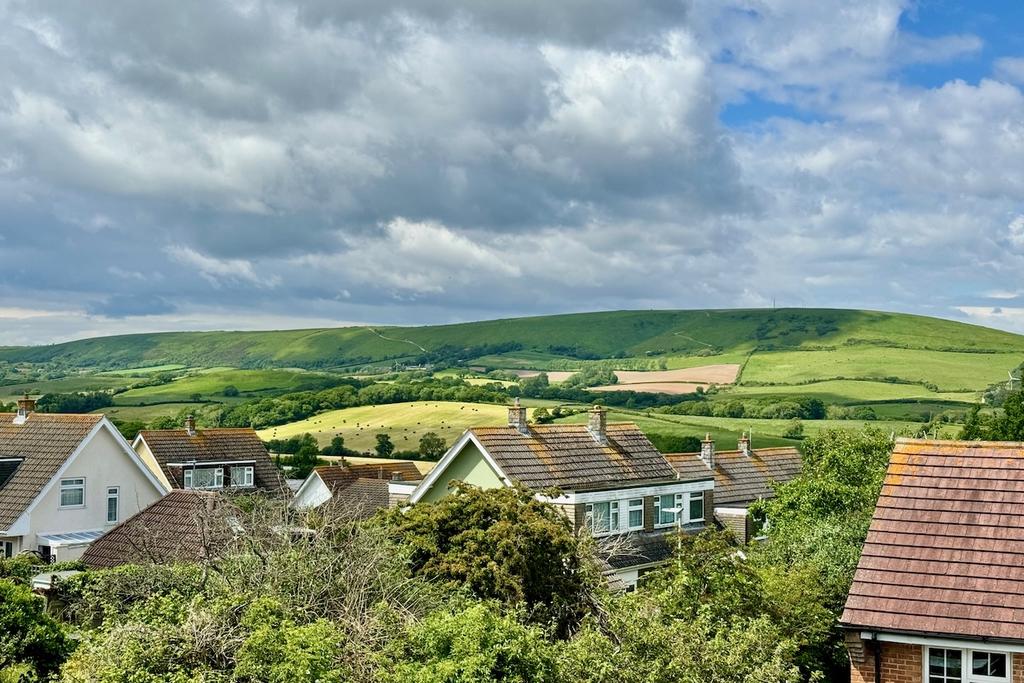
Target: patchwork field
x=77 y=383
x=424 y=466
x=848 y=391
x=405 y=422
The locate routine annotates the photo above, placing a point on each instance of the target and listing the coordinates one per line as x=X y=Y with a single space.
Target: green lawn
x=949 y=371
x=404 y=422
x=210 y=384
x=149 y=413
x=149 y=370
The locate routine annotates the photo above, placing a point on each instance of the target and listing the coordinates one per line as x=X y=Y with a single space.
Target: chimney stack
x=25 y=406
x=598 y=424
x=707 y=451
x=517 y=417
x=744 y=445
x=190 y=425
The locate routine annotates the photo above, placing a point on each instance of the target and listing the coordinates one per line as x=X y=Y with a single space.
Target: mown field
x=404 y=422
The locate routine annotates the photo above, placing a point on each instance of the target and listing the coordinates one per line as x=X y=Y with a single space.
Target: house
x=183 y=526
x=611 y=480
x=938 y=595
x=64 y=480
x=742 y=477
x=209 y=459
x=361 y=488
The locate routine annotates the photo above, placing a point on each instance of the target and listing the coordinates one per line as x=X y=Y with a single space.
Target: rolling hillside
x=533 y=342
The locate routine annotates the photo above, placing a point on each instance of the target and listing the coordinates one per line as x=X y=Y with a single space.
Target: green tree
x=384 y=447
x=29 y=638
x=794 y=430
x=336 y=447
x=502 y=544
x=476 y=644
x=432 y=446
x=303 y=462
x=230 y=390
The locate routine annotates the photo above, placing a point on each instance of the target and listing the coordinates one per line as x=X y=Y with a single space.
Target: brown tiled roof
x=183 y=526
x=568 y=457
x=45 y=441
x=406 y=469
x=945 y=551
x=212 y=445
x=739 y=479
x=360 y=496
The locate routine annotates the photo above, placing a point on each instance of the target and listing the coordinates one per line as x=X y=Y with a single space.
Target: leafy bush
x=29 y=638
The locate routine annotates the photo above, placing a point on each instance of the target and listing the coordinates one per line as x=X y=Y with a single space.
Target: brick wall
x=1018 y=668
x=901 y=663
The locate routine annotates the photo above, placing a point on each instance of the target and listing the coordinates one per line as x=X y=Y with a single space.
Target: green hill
x=617 y=334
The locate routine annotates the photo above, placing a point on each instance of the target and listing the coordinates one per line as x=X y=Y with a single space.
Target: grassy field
x=75 y=383
x=211 y=384
x=726 y=431
x=405 y=422
x=848 y=392
x=949 y=371
x=150 y=370
x=151 y=412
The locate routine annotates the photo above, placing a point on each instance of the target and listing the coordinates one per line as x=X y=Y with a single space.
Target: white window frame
x=188 y=477
x=631 y=507
x=114 y=494
x=690 y=497
x=68 y=485
x=248 y=473
x=613 y=514
x=6 y=550
x=966 y=657
x=678 y=500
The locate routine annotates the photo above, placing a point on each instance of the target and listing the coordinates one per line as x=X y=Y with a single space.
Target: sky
x=202 y=164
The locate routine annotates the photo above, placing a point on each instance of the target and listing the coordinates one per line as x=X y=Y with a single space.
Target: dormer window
x=204 y=478
x=242 y=476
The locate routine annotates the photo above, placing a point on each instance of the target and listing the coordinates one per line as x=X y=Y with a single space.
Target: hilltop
x=532 y=342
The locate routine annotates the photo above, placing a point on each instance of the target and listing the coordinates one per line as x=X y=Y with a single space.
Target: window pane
x=665 y=504
x=600 y=517
x=237 y=476
x=988 y=664
x=112 y=508
x=72 y=496
x=205 y=477
x=697 y=505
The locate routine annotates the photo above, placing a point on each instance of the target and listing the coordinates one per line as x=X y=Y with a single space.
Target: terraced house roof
x=569 y=457
x=741 y=479
x=945 y=551
x=175 y=446
x=42 y=444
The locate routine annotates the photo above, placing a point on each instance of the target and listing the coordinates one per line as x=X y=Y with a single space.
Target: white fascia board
x=401 y=487
x=935 y=641
x=574 y=497
x=738 y=512
x=453 y=452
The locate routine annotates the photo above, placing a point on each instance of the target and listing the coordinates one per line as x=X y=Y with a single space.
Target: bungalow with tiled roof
x=360 y=488
x=611 y=481
x=742 y=477
x=183 y=526
x=64 y=480
x=938 y=595
x=209 y=459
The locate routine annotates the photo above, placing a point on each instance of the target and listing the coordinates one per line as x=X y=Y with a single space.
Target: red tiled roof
x=568 y=457
x=739 y=479
x=406 y=469
x=360 y=495
x=183 y=526
x=212 y=445
x=945 y=551
x=44 y=441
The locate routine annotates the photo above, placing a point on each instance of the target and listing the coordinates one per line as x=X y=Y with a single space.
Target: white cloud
x=1010 y=69
x=219 y=271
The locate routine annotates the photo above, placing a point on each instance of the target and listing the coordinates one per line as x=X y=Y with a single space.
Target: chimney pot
x=744 y=445
x=517 y=417
x=707 y=451
x=25 y=406
x=598 y=424
x=190 y=425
